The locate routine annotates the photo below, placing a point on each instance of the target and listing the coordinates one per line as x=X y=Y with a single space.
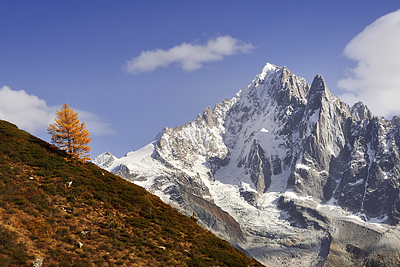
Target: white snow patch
x=315 y=116
x=293 y=195
x=378 y=220
x=263 y=130
x=360 y=181
x=279 y=182
x=233 y=175
x=335 y=211
x=134 y=157
x=267 y=68
x=246 y=187
x=302 y=166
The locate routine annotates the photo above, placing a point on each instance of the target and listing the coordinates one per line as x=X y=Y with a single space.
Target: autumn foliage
x=69 y=134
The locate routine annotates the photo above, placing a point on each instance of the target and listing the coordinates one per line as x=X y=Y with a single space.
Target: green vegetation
x=71 y=213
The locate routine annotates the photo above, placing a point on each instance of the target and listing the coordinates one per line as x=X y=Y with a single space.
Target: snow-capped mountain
x=283 y=170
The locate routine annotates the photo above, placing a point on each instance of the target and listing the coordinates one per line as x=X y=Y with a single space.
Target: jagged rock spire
x=318 y=90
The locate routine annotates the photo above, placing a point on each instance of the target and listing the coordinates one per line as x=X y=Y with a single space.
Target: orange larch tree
x=69 y=134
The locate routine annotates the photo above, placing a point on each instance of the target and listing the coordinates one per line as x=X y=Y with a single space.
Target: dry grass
x=97 y=220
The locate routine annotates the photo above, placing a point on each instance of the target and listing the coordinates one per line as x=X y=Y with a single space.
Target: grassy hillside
x=69 y=213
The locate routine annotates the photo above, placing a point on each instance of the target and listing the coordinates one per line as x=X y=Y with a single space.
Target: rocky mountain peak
x=294 y=90
x=278 y=137
x=260 y=87
x=266 y=71
x=317 y=92
x=318 y=84
x=360 y=111
x=104 y=160
x=272 y=86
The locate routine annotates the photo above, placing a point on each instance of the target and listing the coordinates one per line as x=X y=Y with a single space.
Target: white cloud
x=32 y=114
x=189 y=56
x=27 y=111
x=375 y=80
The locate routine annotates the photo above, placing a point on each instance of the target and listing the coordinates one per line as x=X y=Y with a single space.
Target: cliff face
x=256 y=157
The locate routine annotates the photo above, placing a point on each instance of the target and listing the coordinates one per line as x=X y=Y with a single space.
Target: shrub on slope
x=70 y=213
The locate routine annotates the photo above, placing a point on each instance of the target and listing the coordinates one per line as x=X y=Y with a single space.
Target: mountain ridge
x=265 y=155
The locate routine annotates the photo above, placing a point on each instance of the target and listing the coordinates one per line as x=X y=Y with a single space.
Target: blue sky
x=131 y=68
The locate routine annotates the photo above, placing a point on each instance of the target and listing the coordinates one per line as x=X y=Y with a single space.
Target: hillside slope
x=74 y=214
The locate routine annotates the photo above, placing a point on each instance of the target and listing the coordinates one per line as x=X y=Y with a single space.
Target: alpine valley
x=284 y=171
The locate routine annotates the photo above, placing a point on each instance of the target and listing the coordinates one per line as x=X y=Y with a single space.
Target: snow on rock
x=104 y=160
x=258 y=168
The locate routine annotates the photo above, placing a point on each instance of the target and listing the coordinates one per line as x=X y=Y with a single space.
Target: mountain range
x=284 y=171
